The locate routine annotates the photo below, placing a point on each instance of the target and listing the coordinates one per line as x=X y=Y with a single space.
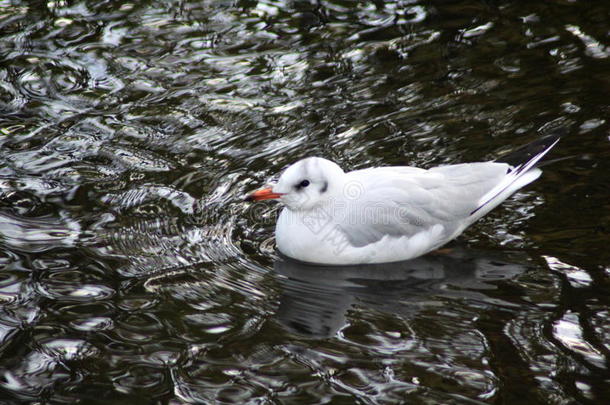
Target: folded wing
x=399 y=202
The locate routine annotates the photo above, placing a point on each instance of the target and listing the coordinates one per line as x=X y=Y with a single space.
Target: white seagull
x=388 y=214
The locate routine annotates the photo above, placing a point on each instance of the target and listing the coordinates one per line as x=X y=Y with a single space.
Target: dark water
x=133 y=273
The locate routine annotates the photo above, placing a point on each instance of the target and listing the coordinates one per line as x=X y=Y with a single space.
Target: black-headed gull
x=387 y=214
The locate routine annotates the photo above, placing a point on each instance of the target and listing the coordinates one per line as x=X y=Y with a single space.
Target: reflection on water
x=315 y=298
x=132 y=272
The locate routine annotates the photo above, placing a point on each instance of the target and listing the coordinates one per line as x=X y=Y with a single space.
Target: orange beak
x=263 y=194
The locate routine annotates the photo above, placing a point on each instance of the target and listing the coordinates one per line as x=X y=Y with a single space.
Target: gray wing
x=405 y=201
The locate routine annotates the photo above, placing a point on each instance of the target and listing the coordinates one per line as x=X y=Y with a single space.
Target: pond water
x=132 y=272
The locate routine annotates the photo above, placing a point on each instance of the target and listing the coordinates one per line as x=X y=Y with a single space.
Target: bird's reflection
x=315 y=298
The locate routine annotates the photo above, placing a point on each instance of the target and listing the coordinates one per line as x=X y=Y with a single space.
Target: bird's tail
x=523 y=170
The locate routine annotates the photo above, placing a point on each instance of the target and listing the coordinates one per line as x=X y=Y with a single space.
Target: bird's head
x=304 y=185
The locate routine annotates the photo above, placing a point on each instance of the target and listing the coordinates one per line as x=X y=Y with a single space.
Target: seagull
x=389 y=214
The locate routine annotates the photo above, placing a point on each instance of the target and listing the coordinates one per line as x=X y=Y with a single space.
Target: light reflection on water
x=133 y=272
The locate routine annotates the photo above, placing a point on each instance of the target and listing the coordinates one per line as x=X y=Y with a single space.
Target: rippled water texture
x=133 y=273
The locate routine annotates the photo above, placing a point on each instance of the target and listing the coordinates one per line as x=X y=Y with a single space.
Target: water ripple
x=133 y=271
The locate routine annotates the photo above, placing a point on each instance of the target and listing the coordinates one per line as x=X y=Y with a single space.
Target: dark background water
x=133 y=273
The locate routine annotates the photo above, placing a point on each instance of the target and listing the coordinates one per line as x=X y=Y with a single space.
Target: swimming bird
x=388 y=214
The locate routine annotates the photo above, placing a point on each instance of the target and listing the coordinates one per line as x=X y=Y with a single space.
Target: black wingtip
x=525 y=159
x=527 y=152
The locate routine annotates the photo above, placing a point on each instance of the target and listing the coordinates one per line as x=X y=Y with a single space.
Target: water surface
x=133 y=273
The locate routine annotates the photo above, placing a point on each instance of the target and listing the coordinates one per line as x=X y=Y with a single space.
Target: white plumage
x=385 y=214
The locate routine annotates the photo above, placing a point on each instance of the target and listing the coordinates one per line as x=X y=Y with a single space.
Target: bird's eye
x=303 y=184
